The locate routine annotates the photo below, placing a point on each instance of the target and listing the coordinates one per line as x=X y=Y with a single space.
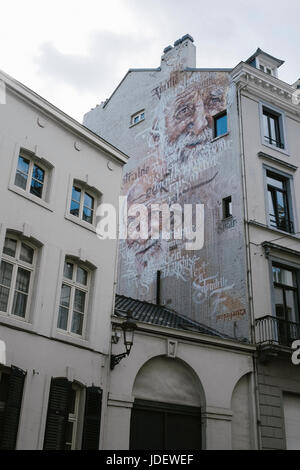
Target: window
x=74 y=416
x=286 y=301
x=138 y=117
x=31 y=177
x=272 y=127
x=278 y=201
x=16 y=273
x=73 y=299
x=4 y=385
x=227 y=207
x=267 y=69
x=220 y=124
x=82 y=204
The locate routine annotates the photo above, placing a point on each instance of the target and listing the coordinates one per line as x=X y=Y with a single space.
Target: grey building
x=229 y=139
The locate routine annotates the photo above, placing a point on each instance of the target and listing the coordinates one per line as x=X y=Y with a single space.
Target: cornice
x=266 y=87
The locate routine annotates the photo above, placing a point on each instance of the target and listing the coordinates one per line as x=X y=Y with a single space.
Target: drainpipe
x=254 y=380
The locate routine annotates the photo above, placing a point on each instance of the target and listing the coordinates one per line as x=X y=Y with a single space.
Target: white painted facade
x=67 y=151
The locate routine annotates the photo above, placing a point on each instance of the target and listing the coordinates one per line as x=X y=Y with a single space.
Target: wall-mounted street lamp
x=128 y=327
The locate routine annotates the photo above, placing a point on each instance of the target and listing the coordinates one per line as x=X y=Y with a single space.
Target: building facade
x=56 y=276
x=228 y=139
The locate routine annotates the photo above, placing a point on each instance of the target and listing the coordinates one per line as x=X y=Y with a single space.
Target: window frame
x=73 y=284
x=215 y=119
x=224 y=207
x=264 y=106
x=33 y=162
x=290 y=195
x=139 y=115
x=83 y=192
x=16 y=262
x=74 y=418
x=85 y=188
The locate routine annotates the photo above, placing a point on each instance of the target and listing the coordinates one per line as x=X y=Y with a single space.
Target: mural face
x=179 y=161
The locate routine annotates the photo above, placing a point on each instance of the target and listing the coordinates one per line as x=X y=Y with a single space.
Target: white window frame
x=140 y=115
x=16 y=262
x=33 y=162
x=73 y=284
x=282 y=126
x=74 y=417
x=83 y=191
x=290 y=196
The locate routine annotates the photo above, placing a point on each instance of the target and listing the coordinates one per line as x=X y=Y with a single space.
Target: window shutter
x=57 y=415
x=12 y=410
x=92 y=419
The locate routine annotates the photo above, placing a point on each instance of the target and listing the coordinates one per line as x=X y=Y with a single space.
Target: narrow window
x=73 y=299
x=16 y=273
x=278 y=200
x=82 y=204
x=227 y=207
x=220 y=123
x=286 y=302
x=272 y=128
x=73 y=416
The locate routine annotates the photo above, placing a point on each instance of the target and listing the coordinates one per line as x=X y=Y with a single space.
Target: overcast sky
x=74 y=53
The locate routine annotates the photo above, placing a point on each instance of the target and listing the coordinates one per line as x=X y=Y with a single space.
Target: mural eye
x=184 y=111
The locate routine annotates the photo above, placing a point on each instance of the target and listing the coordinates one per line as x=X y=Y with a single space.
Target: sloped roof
x=259 y=52
x=159 y=315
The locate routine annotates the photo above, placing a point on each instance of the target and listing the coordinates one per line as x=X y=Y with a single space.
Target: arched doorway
x=167 y=409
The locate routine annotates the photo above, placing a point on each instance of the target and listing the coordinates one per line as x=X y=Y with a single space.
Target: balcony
x=275 y=335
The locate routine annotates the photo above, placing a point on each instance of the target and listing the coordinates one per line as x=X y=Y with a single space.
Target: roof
x=259 y=52
x=57 y=114
x=159 y=315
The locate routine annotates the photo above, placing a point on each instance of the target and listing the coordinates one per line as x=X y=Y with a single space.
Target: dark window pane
x=4 y=384
x=76 y=192
x=10 y=246
x=38 y=173
x=68 y=270
x=72 y=403
x=79 y=301
x=36 y=188
x=88 y=201
x=5 y=273
x=272 y=180
x=87 y=215
x=26 y=253
x=65 y=295
x=19 y=306
x=69 y=435
x=23 y=279
x=4 y=294
x=81 y=276
x=221 y=125
x=75 y=208
x=62 y=322
x=77 y=323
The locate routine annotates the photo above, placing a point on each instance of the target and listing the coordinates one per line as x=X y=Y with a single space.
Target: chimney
x=181 y=55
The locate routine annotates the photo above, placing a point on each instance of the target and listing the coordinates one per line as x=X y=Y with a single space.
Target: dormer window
x=266 y=69
x=265 y=62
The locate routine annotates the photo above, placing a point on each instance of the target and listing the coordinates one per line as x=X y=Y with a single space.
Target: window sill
x=69 y=338
x=277 y=149
x=16 y=322
x=81 y=223
x=30 y=197
x=136 y=123
x=220 y=137
x=274 y=230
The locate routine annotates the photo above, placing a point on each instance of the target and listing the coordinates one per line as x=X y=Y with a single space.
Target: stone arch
x=169 y=381
x=166 y=413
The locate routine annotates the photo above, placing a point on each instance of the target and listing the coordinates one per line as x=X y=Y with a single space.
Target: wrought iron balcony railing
x=276 y=331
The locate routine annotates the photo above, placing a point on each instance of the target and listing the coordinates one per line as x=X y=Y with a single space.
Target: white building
x=56 y=276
